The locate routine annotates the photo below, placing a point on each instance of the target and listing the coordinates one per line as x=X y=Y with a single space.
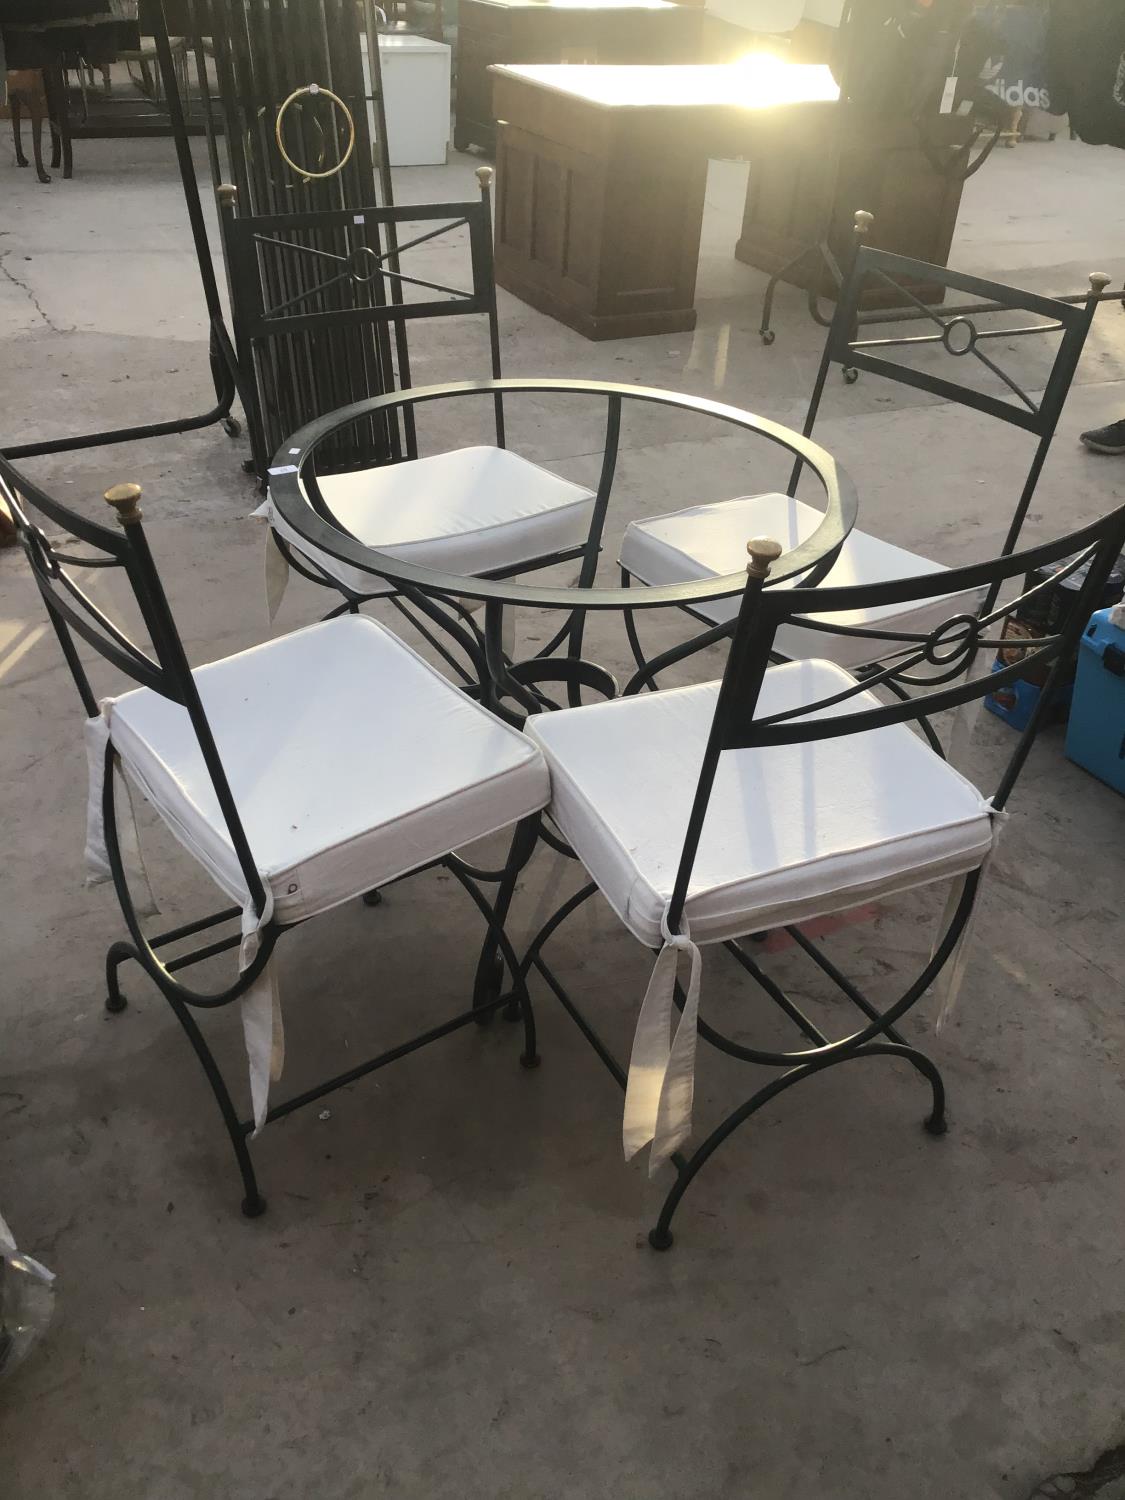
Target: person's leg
x=1110 y=439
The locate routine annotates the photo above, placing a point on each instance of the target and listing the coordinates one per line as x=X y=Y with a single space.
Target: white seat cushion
x=350 y=759
x=469 y=511
x=709 y=541
x=791 y=831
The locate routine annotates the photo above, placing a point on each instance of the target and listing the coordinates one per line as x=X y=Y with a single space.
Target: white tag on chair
x=262 y=1027
x=96 y=735
x=277 y=576
x=950 y=981
x=264 y=1035
x=661 y=1083
x=276 y=563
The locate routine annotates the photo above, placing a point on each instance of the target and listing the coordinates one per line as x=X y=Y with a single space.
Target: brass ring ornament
x=315 y=90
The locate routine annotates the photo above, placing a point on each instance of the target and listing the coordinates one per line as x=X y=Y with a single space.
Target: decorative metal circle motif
x=355 y=260
x=315 y=90
x=954 y=331
x=39 y=551
x=951 y=640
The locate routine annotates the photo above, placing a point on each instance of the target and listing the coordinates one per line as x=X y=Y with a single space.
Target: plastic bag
x=27 y=1300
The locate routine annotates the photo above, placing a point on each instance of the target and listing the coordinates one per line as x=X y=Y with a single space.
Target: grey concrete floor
x=447 y=1297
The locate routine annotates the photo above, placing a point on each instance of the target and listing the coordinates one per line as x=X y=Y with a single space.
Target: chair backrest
x=893 y=279
x=163 y=666
x=299 y=279
x=927 y=673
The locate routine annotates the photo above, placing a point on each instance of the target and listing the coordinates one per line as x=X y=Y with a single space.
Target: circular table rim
x=288 y=495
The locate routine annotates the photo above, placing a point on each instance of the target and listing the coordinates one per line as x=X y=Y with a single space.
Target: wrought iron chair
x=708 y=813
x=299 y=774
x=481 y=511
x=706 y=540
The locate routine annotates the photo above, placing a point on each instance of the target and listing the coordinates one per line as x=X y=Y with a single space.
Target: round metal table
x=442 y=597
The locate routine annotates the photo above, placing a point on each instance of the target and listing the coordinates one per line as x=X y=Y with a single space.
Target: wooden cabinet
x=544 y=31
x=601 y=178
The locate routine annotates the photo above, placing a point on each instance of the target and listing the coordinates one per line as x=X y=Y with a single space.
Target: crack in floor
x=32 y=298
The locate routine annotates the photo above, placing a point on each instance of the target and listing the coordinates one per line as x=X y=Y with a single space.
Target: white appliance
x=416 y=92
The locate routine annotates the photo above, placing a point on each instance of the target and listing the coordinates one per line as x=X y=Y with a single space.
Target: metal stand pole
x=820 y=253
x=224 y=367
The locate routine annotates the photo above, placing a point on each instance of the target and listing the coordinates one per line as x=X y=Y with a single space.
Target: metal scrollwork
x=955 y=326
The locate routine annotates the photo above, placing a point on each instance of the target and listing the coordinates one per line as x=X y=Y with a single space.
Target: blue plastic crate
x=1095 y=738
x=1015 y=703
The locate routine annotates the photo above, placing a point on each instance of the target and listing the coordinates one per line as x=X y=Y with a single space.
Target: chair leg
x=179 y=997
x=253 y=1204
x=629 y=616
x=37 y=142
x=660 y=1236
x=878 y=1038
x=496 y=952
x=115 y=1001
x=17 y=131
x=55 y=83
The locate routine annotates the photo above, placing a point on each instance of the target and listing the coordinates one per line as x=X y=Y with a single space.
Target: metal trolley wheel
x=315 y=90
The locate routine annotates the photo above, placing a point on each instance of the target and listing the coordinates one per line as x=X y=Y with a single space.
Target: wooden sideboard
x=560 y=31
x=602 y=172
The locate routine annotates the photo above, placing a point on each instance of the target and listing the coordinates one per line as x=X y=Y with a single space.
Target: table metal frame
x=514 y=689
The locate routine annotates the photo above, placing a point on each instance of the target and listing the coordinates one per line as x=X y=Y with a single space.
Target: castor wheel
x=768 y=336
x=115 y=1003
x=372 y=898
x=249 y=466
x=660 y=1239
x=935 y=1126
x=232 y=427
x=254 y=1207
x=850 y=375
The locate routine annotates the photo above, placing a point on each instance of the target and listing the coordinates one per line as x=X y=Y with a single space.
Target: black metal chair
x=706 y=540
x=299 y=774
x=780 y=794
x=476 y=511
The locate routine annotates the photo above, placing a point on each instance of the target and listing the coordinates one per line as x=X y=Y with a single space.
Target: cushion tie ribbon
x=661 y=1083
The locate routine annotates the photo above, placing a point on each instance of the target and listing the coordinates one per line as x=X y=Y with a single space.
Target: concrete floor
x=447 y=1297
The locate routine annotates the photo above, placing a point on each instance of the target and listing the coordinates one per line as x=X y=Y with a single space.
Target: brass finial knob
x=763 y=551
x=1099 y=281
x=125 y=499
x=227 y=194
x=863 y=222
x=484 y=177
